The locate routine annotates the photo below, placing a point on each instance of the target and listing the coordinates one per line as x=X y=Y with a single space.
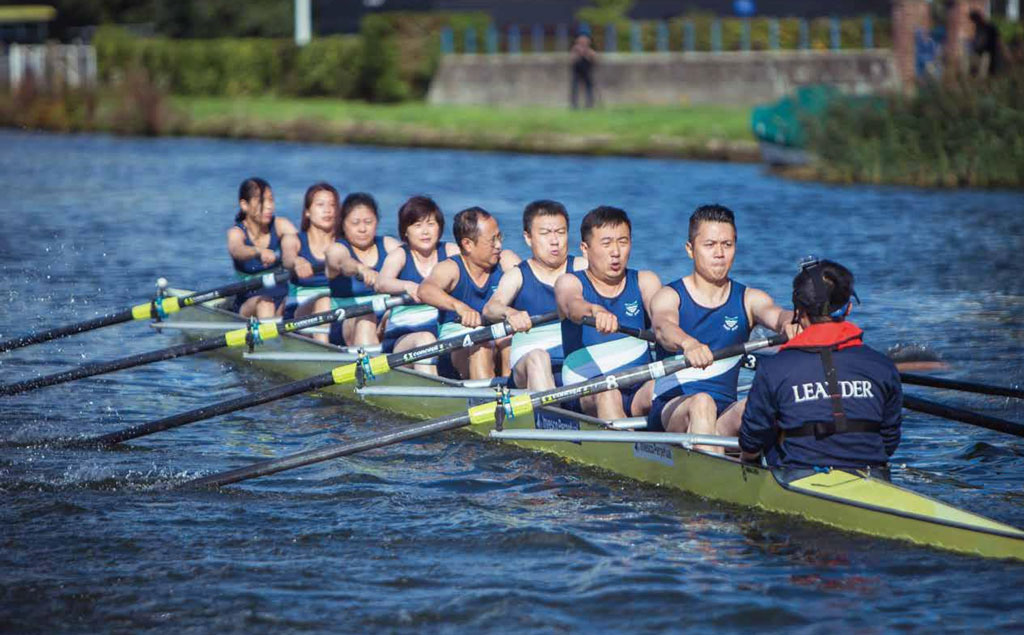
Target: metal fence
x=48 y=65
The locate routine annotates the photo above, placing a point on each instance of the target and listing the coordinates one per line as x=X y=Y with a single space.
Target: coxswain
x=420 y=226
x=352 y=266
x=460 y=287
x=254 y=243
x=304 y=253
x=529 y=289
x=614 y=295
x=707 y=310
x=825 y=400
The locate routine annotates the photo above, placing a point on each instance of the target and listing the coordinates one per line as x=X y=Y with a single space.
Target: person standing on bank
x=825 y=400
x=583 y=58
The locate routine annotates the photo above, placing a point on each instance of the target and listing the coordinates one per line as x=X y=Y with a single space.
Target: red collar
x=838 y=335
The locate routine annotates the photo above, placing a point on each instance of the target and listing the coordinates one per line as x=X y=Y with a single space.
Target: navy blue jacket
x=790 y=390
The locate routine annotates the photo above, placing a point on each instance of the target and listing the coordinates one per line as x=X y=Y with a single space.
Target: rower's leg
x=258 y=307
x=319 y=305
x=606 y=405
x=696 y=414
x=360 y=331
x=533 y=370
x=415 y=340
x=729 y=422
x=504 y=347
x=475 y=362
x=642 y=400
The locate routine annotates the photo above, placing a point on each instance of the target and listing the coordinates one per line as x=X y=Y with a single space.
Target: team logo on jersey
x=731 y=323
x=633 y=308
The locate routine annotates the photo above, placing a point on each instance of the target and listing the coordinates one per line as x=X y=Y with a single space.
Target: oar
x=964 y=416
x=253 y=334
x=484 y=414
x=355 y=372
x=156 y=308
x=964 y=386
x=642 y=334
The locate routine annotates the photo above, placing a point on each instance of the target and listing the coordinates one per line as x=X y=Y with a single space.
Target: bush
x=328 y=66
x=963 y=132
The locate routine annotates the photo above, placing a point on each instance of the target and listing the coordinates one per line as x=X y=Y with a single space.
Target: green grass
x=633 y=126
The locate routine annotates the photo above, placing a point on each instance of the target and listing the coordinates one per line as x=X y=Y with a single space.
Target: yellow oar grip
x=145 y=311
x=266 y=330
x=379 y=365
x=236 y=337
x=484 y=413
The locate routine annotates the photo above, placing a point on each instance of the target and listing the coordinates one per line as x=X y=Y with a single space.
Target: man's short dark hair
x=543 y=208
x=714 y=213
x=466 y=223
x=603 y=216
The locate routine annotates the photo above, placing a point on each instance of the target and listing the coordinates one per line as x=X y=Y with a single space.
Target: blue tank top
x=717 y=327
x=317 y=279
x=409 y=271
x=255 y=265
x=589 y=353
x=466 y=290
x=350 y=287
x=536 y=297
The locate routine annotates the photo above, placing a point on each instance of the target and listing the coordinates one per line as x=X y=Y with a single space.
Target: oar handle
x=537 y=320
x=964 y=416
x=642 y=334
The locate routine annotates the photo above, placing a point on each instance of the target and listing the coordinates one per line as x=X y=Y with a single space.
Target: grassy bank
x=694 y=131
x=700 y=132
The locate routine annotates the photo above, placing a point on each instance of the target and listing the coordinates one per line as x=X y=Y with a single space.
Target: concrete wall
x=542 y=79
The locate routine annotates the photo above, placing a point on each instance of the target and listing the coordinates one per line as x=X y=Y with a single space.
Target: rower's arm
x=500 y=304
x=650 y=284
x=290 y=246
x=570 y=301
x=665 y=320
x=391 y=243
x=341 y=263
x=237 y=247
x=284 y=227
x=765 y=312
x=508 y=259
x=389 y=282
x=436 y=288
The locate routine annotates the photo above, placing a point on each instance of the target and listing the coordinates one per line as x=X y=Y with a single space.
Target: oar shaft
x=964 y=386
x=207 y=412
x=964 y=416
x=65 y=331
x=102 y=368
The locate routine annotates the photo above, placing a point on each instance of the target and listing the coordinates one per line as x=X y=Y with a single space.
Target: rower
x=309 y=291
x=614 y=296
x=420 y=225
x=254 y=243
x=529 y=289
x=825 y=400
x=460 y=287
x=352 y=266
x=705 y=310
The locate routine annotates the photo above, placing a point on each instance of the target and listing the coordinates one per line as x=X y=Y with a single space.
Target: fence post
x=538 y=38
x=745 y=35
x=869 y=32
x=689 y=36
x=716 y=35
x=805 y=35
x=661 y=36
x=469 y=45
x=492 y=39
x=611 y=42
x=513 y=39
x=636 y=43
x=447 y=40
x=561 y=38
x=835 y=40
x=773 y=34
x=16 y=64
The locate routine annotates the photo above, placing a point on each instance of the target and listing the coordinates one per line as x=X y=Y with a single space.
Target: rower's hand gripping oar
x=642 y=334
x=255 y=333
x=484 y=414
x=155 y=309
x=357 y=372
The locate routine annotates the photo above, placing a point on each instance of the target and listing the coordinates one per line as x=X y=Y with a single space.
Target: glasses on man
x=495 y=240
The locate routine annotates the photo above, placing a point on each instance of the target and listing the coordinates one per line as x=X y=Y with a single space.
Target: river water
x=455 y=533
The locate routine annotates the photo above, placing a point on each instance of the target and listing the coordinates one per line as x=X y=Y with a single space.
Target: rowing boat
x=844 y=499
